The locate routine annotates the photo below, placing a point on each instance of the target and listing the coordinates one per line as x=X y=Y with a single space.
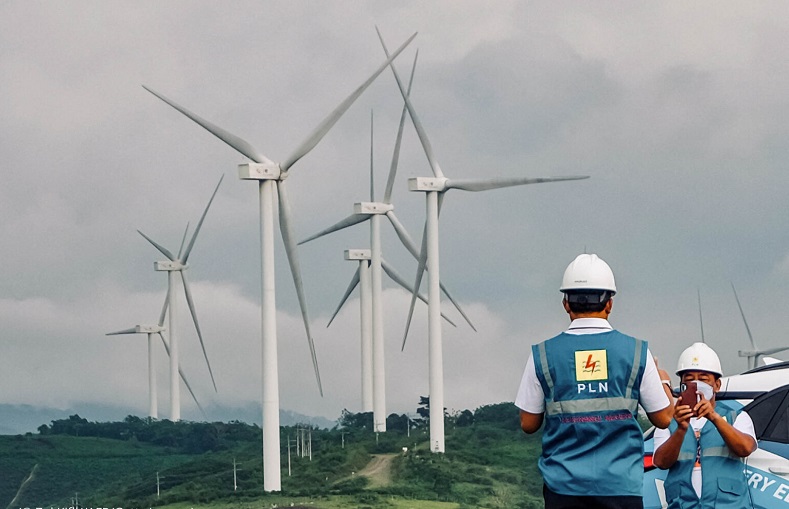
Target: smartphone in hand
x=689 y=395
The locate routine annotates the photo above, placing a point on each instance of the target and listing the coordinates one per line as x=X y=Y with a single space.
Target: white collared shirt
x=531 y=397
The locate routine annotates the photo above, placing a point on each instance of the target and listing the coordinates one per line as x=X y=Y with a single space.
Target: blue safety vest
x=591 y=443
x=723 y=482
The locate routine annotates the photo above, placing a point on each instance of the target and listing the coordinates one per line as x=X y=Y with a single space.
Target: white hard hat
x=588 y=272
x=699 y=357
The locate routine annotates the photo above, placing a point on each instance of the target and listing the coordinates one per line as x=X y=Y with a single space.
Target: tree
x=464 y=418
x=424 y=408
x=350 y=420
x=503 y=415
x=397 y=422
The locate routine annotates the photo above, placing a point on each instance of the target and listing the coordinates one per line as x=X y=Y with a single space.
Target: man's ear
x=566 y=305
x=717 y=384
x=609 y=306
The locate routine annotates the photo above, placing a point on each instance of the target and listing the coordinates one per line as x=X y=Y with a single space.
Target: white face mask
x=705 y=389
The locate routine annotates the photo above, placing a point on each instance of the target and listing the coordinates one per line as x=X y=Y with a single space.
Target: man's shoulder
x=629 y=336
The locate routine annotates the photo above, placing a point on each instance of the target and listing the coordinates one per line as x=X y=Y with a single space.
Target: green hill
x=489 y=463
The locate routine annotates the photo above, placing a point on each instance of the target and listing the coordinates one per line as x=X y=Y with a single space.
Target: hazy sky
x=678 y=112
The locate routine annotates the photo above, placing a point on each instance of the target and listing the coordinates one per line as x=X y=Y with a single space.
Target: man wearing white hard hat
x=705 y=444
x=586 y=385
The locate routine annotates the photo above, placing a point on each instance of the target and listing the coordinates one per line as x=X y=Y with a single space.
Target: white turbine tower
x=754 y=355
x=374 y=266
x=361 y=278
x=150 y=330
x=434 y=188
x=271 y=178
x=176 y=265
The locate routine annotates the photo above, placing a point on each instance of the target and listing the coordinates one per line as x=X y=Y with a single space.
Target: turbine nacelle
x=140 y=329
x=372 y=208
x=261 y=171
x=148 y=329
x=169 y=266
x=358 y=254
x=438 y=184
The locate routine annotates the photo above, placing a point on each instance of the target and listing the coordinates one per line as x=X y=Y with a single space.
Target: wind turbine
x=361 y=278
x=373 y=211
x=434 y=188
x=176 y=265
x=754 y=355
x=271 y=178
x=150 y=330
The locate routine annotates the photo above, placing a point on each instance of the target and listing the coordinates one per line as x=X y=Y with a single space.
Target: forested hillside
x=489 y=463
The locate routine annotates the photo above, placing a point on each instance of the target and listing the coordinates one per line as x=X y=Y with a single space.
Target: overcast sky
x=677 y=111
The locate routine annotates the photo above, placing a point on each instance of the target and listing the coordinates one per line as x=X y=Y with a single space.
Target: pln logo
x=591 y=365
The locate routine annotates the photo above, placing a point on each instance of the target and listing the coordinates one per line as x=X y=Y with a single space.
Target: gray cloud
x=676 y=111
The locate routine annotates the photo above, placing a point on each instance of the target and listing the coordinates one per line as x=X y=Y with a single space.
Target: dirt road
x=379 y=470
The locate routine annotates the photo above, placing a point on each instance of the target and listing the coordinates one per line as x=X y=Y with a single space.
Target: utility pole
x=288 y=455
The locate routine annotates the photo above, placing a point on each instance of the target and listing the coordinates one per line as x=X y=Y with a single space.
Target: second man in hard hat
x=586 y=385
x=704 y=445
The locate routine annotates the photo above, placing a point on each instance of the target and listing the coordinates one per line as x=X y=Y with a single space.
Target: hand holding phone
x=689 y=395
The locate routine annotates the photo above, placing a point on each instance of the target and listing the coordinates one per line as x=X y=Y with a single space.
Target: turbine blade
x=345 y=223
x=457 y=306
x=165 y=344
x=420 y=270
x=183 y=376
x=402 y=234
x=747 y=329
x=200 y=223
x=190 y=302
x=771 y=351
x=133 y=330
x=420 y=131
x=291 y=249
x=497 y=183
x=189 y=388
x=351 y=286
x=163 y=314
x=234 y=141
x=161 y=249
x=397 y=278
x=335 y=115
x=405 y=238
x=422 y=266
x=183 y=241
x=398 y=140
x=372 y=176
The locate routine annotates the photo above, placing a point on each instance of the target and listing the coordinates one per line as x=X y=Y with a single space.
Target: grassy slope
x=489 y=464
x=70 y=465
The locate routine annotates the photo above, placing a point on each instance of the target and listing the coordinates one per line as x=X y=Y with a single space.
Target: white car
x=764 y=393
